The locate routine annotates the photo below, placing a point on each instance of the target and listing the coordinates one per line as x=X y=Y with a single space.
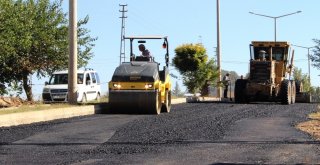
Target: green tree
x=34 y=39
x=315 y=93
x=3 y=89
x=315 y=57
x=233 y=75
x=191 y=60
x=177 y=91
x=304 y=78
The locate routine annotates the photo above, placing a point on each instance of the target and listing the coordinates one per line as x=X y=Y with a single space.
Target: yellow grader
x=139 y=86
x=270 y=75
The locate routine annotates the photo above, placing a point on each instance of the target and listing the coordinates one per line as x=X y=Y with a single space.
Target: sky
x=188 y=21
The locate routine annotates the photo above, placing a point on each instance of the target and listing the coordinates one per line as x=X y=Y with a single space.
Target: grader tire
x=166 y=106
x=293 y=92
x=299 y=86
x=286 y=92
x=240 y=91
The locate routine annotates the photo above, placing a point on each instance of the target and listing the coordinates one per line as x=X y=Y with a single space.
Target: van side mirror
x=46 y=83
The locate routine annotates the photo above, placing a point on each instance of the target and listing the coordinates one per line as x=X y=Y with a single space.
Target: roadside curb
x=15 y=119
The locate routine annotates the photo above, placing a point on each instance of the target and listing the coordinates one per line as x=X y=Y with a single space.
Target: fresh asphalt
x=193 y=133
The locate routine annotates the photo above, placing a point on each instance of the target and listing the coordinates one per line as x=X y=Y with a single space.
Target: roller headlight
x=117 y=85
x=148 y=86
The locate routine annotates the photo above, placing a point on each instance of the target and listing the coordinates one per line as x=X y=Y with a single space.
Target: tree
x=304 y=78
x=192 y=62
x=315 y=58
x=233 y=75
x=315 y=93
x=177 y=91
x=34 y=39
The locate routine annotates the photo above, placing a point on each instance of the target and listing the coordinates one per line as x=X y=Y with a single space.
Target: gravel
x=202 y=122
x=185 y=126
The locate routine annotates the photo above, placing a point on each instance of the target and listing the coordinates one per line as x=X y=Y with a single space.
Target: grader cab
x=269 y=78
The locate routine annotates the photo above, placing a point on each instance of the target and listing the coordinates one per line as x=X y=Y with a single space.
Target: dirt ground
x=312 y=126
x=10 y=102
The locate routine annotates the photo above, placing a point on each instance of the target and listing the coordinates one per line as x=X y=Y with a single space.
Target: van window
x=58 y=79
x=97 y=77
x=93 y=78
x=80 y=78
x=88 y=79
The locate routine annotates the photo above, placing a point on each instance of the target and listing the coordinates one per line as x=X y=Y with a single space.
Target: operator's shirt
x=146 y=53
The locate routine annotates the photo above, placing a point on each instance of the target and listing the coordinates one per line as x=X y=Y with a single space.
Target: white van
x=88 y=87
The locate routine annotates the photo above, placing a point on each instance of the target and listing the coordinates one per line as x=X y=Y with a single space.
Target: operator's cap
x=141 y=46
x=262 y=51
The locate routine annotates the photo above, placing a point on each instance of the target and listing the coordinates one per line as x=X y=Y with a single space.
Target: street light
x=308 y=58
x=275 y=20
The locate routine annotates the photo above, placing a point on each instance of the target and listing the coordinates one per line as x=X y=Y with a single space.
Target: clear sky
x=189 y=21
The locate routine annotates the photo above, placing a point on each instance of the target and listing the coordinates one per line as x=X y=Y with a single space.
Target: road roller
x=139 y=86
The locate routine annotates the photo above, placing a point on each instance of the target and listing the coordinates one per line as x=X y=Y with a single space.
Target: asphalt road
x=194 y=133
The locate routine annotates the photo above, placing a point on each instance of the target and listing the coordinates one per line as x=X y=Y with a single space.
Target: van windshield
x=63 y=79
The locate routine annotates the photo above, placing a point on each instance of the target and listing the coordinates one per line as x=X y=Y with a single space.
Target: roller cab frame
x=139 y=86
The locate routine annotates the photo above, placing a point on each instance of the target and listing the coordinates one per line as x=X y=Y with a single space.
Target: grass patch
x=33 y=107
x=38 y=106
x=312 y=126
x=315 y=116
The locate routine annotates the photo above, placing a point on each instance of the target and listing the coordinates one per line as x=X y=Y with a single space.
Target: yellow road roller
x=139 y=86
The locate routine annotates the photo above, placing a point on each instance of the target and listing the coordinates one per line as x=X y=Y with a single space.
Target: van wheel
x=84 y=98
x=98 y=97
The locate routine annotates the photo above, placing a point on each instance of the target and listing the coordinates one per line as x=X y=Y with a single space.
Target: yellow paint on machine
x=134 y=85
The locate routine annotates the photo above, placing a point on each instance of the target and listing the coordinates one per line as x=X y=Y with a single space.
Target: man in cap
x=262 y=55
x=226 y=82
x=144 y=52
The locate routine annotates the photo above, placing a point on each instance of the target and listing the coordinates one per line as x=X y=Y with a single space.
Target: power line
x=143 y=20
x=235 y=62
x=122 y=43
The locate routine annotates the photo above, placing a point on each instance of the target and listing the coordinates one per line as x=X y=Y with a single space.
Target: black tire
x=156 y=104
x=166 y=106
x=98 y=98
x=293 y=92
x=286 y=92
x=84 y=98
x=240 y=91
x=299 y=86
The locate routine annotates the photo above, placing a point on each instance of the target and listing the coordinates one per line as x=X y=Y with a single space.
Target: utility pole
x=123 y=43
x=72 y=78
x=218 y=49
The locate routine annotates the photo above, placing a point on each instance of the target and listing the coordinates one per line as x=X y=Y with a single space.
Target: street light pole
x=72 y=78
x=309 y=76
x=218 y=49
x=275 y=20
